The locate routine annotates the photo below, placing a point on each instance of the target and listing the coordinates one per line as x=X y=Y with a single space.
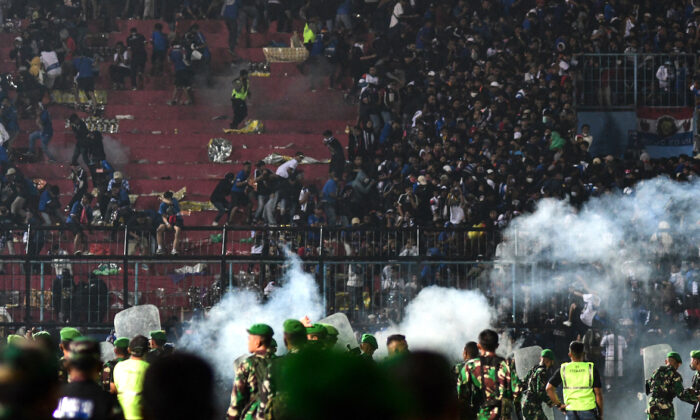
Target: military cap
x=41 y=334
x=695 y=354
x=14 y=340
x=69 y=334
x=158 y=335
x=316 y=329
x=121 y=343
x=84 y=347
x=674 y=355
x=261 y=329
x=549 y=354
x=330 y=330
x=294 y=327
x=369 y=339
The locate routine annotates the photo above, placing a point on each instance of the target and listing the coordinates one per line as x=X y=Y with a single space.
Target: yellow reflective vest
x=128 y=379
x=577 y=382
x=240 y=90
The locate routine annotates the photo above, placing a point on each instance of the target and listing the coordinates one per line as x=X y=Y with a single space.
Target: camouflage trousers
x=490 y=413
x=532 y=411
x=660 y=410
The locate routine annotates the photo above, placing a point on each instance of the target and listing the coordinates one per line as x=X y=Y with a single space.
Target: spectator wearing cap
x=368 y=345
x=82 y=397
x=239 y=194
x=170 y=219
x=79 y=218
x=279 y=182
x=121 y=353
x=129 y=376
x=117 y=204
x=218 y=197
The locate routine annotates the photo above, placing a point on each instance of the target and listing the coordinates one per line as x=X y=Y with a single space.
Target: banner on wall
x=665 y=132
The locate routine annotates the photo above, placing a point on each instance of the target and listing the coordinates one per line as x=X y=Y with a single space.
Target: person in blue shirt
x=49 y=205
x=80 y=216
x=329 y=197
x=8 y=117
x=85 y=79
x=160 y=50
x=229 y=11
x=183 y=74
x=170 y=219
x=239 y=196
x=45 y=132
x=199 y=42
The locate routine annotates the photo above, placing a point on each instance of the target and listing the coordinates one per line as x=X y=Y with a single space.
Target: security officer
x=129 y=376
x=534 y=387
x=251 y=383
x=241 y=91
x=691 y=395
x=663 y=385
x=157 y=344
x=68 y=334
x=368 y=345
x=121 y=352
x=583 y=395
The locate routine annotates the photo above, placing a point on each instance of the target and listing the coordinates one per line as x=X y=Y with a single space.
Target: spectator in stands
x=260 y=190
x=8 y=117
x=52 y=67
x=229 y=11
x=239 y=195
x=137 y=48
x=248 y=16
x=160 y=50
x=219 y=196
x=329 y=196
x=337 y=165
x=80 y=184
x=45 y=132
x=279 y=184
x=82 y=140
x=85 y=79
x=183 y=75
x=170 y=219
x=121 y=67
x=79 y=218
x=118 y=203
x=21 y=54
x=50 y=206
x=198 y=43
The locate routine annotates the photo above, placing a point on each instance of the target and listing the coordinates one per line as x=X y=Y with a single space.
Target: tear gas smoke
x=221 y=337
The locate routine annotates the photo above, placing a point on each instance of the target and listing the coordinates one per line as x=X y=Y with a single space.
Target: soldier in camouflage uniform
x=251 y=384
x=157 y=344
x=516 y=388
x=665 y=384
x=295 y=340
x=121 y=351
x=68 y=334
x=466 y=391
x=692 y=395
x=490 y=377
x=535 y=387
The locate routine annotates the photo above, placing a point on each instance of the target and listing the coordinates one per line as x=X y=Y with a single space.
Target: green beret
x=549 y=354
x=261 y=329
x=159 y=335
x=294 y=327
x=369 y=339
x=330 y=330
x=121 y=343
x=674 y=355
x=84 y=348
x=14 y=340
x=316 y=329
x=69 y=334
x=695 y=354
x=41 y=334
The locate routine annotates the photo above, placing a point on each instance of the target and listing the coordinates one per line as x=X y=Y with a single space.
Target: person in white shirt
x=52 y=67
x=282 y=174
x=608 y=343
x=396 y=13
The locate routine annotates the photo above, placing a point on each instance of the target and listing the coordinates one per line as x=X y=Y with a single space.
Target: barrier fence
x=627 y=81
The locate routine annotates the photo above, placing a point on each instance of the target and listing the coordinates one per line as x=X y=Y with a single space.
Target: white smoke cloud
x=442 y=320
x=221 y=337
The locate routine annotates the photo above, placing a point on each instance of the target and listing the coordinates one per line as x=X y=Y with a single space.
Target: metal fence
x=625 y=81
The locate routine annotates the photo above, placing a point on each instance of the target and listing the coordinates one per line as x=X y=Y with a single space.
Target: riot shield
x=106 y=351
x=346 y=335
x=654 y=356
x=525 y=359
x=137 y=320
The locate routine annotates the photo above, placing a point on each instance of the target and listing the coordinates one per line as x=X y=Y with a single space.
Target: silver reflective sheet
x=137 y=320
x=106 y=351
x=219 y=149
x=654 y=356
x=346 y=335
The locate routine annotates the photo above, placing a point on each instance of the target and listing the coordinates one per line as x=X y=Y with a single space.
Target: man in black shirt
x=82 y=397
x=337 y=165
x=82 y=140
x=218 y=197
x=137 y=45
